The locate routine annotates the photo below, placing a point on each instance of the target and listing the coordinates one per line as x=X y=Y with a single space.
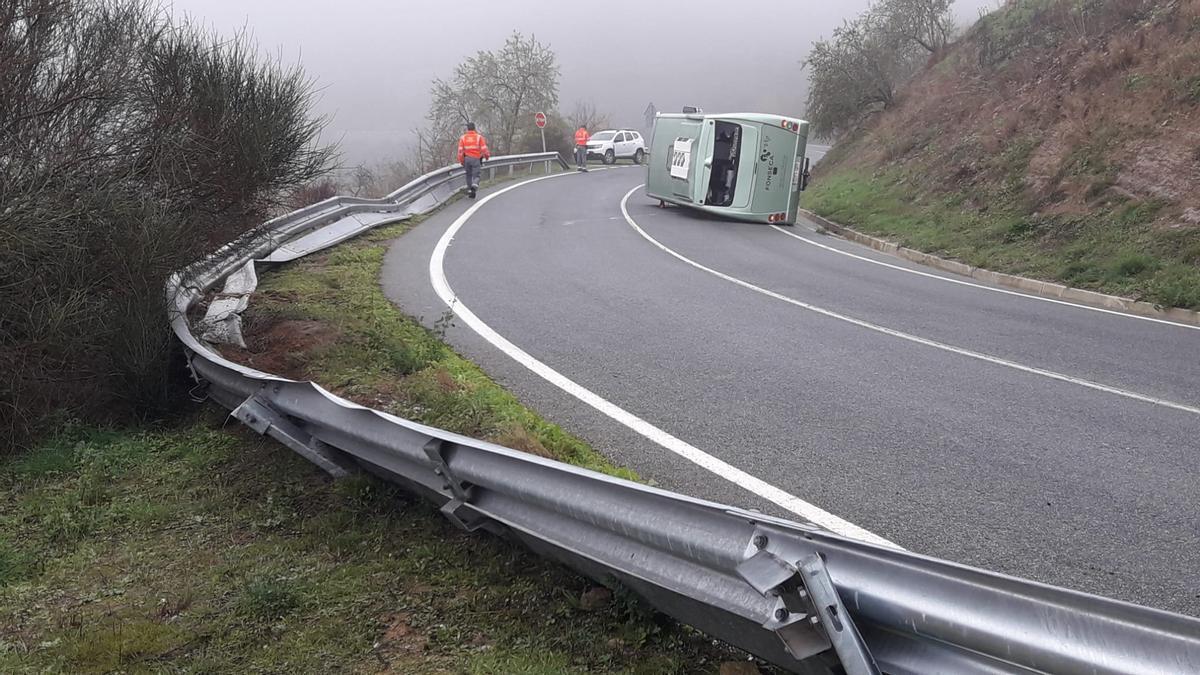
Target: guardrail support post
x=791 y=617
x=256 y=412
x=808 y=616
x=839 y=627
x=457 y=510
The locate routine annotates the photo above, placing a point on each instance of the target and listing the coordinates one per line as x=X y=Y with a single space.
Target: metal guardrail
x=791 y=593
x=321 y=225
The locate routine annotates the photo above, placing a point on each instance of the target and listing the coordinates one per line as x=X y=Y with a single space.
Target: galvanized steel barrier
x=791 y=593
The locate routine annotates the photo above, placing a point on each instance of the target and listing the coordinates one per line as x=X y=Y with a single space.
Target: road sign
x=540 y=120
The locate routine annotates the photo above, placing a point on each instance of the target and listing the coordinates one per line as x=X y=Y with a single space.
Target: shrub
x=1133 y=264
x=1178 y=286
x=132 y=146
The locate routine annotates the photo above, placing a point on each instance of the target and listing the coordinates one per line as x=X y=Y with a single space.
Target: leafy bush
x=132 y=146
x=1133 y=264
x=1178 y=286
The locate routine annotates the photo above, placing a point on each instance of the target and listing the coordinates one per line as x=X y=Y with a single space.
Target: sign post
x=540 y=120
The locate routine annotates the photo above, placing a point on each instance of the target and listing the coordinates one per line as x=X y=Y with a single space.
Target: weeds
x=1136 y=82
x=1133 y=264
x=197 y=549
x=1062 y=150
x=1178 y=286
x=1115 y=251
x=256 y=562
x=388 y=360
x=14 y=564
x=1136 y=214
x=269 y=598
x=1189 y=90
x=443 y=324
x=133 y=144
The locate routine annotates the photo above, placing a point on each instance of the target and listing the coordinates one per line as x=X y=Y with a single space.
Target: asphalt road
x=1037 y=439
x=815 y=152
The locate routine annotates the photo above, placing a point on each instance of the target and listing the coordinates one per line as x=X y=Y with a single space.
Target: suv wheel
x=609 y=157
x=638 y=156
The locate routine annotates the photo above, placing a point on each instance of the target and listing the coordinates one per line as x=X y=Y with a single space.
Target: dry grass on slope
x=1051 y=141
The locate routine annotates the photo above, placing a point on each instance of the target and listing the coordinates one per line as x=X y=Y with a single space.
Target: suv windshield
x=604 y=136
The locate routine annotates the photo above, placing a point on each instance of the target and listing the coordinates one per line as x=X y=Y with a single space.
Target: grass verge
x=206 y=549
x=1112 y=250
x=325 y=318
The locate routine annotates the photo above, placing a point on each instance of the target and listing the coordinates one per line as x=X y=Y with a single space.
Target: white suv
x=611 y=145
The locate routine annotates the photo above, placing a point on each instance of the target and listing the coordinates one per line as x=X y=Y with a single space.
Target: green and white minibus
x=746 y=166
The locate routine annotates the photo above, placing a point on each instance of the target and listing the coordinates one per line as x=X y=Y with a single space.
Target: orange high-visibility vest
x=581 y=136
x=472 y=144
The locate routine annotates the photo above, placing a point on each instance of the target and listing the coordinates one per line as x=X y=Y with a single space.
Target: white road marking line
x=962 y=282
x=908 y=336
x=437 y=276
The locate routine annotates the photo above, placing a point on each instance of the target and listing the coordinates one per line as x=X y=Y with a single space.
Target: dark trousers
x=473 y=166
x=581 y=156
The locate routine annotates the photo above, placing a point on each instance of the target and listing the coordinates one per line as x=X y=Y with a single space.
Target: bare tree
x=584 y=114
x=927 y=23
x=362 y=181
x=560 y=136
x=434 y=145
x=392 y=174
x=859 y=70
x=499 y=91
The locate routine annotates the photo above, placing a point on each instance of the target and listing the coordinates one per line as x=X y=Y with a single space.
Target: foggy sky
x=374 y=59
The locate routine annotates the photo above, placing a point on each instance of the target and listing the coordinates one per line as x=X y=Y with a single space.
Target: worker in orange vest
x=472 y=152
x=581 y=139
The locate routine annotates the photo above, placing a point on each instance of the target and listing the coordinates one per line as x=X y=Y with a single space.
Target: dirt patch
x=400 y=636
x=1045 y=164
x=595 y=598
x=280 y=347
x=387 y=396
x=1165 y=168
x=400 y=644
x=1111 y=105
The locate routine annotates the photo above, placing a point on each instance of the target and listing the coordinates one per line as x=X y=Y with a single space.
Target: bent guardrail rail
x=791 y=593
x=315 y=227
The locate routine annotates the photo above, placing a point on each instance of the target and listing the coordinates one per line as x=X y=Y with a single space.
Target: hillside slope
x=1058 y=139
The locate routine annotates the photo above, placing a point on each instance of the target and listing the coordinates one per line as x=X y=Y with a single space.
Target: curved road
x=1035 y=438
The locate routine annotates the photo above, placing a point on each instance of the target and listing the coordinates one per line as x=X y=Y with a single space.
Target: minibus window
x=727 y=146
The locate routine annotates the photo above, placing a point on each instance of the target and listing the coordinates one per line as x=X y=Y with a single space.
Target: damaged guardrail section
x=791 y=593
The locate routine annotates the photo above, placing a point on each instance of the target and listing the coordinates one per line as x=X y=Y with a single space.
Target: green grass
x=204 y=548
x=1113 y=250
x=388 y=360
x=201 y=547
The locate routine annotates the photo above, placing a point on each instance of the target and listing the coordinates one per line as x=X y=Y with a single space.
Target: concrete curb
x=1032 y=286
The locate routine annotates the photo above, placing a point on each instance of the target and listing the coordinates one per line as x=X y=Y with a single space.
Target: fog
x=374 y=59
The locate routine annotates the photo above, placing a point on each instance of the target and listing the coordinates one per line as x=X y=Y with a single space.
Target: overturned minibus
x=747 y=166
